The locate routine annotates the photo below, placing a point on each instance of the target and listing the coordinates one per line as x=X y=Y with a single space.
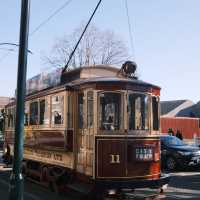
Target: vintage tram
x=98 y=127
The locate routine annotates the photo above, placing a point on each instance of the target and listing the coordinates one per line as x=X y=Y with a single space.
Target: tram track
x=139 y=195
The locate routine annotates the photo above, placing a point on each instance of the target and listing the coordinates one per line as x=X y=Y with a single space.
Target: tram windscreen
x=110 y=111
x=138 y=112
x=155 y=106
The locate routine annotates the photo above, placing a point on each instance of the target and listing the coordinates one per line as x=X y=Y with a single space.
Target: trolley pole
x=16 y=179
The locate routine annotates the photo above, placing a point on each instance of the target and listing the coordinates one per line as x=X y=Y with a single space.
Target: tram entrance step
x=80 y=187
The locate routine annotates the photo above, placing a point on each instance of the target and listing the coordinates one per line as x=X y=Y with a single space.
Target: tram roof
x=89 y=75
x=100 y=74
x=110 y=80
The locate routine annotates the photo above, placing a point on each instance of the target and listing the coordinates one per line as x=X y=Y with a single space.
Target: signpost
x=16 y=179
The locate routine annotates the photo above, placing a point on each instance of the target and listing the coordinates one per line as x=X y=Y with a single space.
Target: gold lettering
x=115 y=159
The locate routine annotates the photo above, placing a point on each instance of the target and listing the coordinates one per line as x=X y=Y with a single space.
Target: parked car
x=175 y=153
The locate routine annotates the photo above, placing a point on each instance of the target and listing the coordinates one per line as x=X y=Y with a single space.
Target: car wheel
x=170 y=163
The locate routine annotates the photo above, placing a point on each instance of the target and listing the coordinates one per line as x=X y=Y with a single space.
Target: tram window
x=90 y=109
x=10 y=118
x=155 y=105
x=80 y=111
x=14 y=115
x=26 y=115
x=70 y=112
x=33 y=113
x=25 y=119
x=110 y=111
x=57 y=109
x=138 y=112
x=42 y=111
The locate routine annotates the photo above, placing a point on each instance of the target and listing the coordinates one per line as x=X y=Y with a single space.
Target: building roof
x=4 y=101
x=173 y=108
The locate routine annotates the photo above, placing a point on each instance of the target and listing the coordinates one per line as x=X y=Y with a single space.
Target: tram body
x=96 y=127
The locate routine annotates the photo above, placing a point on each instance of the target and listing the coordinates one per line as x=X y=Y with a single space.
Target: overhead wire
x=50 y=17
x=42 y=24
x=130 y=29
x=85 y=29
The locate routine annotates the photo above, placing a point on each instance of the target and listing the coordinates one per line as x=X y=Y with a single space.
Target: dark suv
x=175 y=153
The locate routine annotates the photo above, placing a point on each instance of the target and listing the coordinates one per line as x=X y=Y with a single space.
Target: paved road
x=183 y=185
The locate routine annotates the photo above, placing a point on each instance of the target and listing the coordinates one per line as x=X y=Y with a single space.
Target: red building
x=183 y=115
x=189 y=127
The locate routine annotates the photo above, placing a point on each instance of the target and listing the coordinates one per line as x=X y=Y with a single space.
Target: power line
x=130 y=29
x=50 y=17
x=85 y=29
x=41 y=25
x=13 y=44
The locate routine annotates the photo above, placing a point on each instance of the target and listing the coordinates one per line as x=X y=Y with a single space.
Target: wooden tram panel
x=89 y=152
x=116 y=158
x=111 y=158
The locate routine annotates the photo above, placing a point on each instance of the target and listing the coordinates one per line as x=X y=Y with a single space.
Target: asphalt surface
x=183 y=185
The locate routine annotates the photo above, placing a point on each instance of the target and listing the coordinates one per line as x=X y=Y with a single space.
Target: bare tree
x=96 y=47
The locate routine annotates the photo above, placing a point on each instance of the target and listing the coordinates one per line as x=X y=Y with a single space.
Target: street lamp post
x=16 y=179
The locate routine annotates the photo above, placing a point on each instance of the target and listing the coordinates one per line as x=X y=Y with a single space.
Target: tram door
x=85 y=133
x=70 y=122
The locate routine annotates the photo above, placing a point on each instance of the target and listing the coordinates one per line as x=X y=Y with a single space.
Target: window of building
x=57 y=109
x=155 y=107
x=110 y=111
x=70 y=112
x=138 y=112
x=90 y=109
x=33 y=113
x=80 y=111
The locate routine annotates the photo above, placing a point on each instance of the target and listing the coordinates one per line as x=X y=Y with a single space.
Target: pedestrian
x=170 y=132
x=179 y=135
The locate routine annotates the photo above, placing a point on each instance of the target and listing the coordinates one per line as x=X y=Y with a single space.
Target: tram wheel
x=95 y=195
x=170 y=163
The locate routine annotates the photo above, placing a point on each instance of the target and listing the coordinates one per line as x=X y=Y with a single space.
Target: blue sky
x=166 y=39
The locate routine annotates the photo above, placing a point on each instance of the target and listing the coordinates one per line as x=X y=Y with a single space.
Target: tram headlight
x=112 y=192
x=5 y=150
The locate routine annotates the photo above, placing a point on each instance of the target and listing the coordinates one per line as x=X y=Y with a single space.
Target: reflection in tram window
x=80 y=111
x=90 y=109
x=110 y=111
x=155 y=104
x=57 y=109
x=138 y=112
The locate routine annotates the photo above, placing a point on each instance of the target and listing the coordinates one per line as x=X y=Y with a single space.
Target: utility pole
x=16 y=179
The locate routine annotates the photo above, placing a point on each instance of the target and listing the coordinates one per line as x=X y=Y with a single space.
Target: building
x=4 y=101
x=183 y=115
x=175 y=108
